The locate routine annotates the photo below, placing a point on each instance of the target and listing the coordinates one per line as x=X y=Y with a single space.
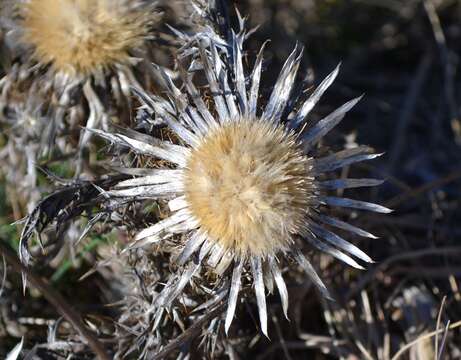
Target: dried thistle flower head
x=248 y=185
x=244 y=186
x=75 y=59
x=81 y=37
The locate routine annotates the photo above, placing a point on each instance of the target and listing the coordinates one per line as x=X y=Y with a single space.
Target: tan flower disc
x=248 y=185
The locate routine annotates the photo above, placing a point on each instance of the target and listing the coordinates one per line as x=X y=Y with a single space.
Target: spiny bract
x=243 y=185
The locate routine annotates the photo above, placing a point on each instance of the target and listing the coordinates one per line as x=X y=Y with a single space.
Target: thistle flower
x=81 y=37
x=76 y=52
x=75 y=58
x=243 y=185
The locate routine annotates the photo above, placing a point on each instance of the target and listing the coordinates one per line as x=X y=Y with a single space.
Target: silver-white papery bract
x=236 y=100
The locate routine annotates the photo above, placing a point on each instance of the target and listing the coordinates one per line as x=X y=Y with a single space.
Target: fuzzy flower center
x=248 y=185
x=82 y=36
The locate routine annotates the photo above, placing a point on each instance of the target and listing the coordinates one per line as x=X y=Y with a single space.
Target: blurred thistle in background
x=80 y=38
x=69 y=65
x=78 y=50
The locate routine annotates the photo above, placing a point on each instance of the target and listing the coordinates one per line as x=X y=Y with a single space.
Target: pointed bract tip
x=385 y=210
x=330 y=298
x=354 y=101
x=335 y=71
x=24 y=283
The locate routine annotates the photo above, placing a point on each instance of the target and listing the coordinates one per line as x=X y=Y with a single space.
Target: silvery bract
x=242 y=184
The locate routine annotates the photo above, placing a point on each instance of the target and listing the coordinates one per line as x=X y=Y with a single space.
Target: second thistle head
x=82 y=37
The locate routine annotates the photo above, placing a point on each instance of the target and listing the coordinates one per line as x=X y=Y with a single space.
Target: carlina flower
x=84 y=37
x=243 y=186
x=80 y=55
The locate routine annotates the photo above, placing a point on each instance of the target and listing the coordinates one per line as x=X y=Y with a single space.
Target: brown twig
x=439 y=318
x=449 y=250
x=55 y=299
x=396 y=201
x=402 y=350
x=428 y=272
x=447 y=63
x=409 y=106
x=410 y=221
x=281 y=338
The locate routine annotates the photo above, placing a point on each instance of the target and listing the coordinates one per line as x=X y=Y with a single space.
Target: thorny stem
x=57 y=300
